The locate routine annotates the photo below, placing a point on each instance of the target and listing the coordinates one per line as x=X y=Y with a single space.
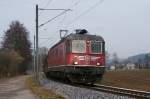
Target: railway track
x=121 y=91
x=115 y=90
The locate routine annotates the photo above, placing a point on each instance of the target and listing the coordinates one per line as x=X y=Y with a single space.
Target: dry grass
x=41 y=92
x=135 y=79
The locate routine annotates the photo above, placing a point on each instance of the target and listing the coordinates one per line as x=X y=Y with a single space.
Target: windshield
x=96 y=47
x=78 y=46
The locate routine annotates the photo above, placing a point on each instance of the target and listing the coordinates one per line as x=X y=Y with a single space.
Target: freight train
x=78 y=57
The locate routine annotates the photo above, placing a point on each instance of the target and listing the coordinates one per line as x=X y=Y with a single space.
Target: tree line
x=140 y=62
x=15 y=53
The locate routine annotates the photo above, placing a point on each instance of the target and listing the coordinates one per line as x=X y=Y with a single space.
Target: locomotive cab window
x=78 y=46
x=96 y=47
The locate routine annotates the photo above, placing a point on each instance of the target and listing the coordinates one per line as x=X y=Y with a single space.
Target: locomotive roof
x=84 y=37
x=80 y=37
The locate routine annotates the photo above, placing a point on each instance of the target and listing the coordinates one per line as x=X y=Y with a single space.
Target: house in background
x=130 y=66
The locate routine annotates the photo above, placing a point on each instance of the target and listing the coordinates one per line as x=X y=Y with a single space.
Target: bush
x=9 y=63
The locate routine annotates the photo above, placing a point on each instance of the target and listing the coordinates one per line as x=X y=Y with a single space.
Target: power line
x=48 y=3
x=70 y=7
x=45 y=41
x=51 y=43
x=85 y=12
x=75 y=4
x=50 y=9
x=54 y=17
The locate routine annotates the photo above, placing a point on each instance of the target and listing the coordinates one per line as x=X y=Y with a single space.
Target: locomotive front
x=86 y=54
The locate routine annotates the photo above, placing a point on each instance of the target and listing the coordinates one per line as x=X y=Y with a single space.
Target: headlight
x=75 y=63
x=98 y=63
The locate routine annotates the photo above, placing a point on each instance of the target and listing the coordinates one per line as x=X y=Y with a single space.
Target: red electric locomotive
x=78 y=57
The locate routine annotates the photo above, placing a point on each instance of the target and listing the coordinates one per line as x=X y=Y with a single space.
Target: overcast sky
x=124 y=24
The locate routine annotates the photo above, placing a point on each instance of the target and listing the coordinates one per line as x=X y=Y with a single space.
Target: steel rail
x=114 y=90
x=122 y=91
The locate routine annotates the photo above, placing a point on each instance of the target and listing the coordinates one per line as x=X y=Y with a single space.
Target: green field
x=133 y=79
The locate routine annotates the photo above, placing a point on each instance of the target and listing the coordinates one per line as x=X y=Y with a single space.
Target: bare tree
x=16 y=38
x=9 y=63
x=107 y=55
x=115 y=60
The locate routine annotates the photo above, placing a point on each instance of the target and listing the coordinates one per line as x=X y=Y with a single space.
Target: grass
x=41 y=92
x=133 y=79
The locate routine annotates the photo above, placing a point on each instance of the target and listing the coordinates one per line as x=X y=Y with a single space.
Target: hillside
x=139 y=57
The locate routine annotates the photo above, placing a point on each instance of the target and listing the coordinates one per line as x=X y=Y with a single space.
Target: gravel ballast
x=72 y=92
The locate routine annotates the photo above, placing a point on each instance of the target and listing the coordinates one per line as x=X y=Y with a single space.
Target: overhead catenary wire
x=65 y=10
x=51 y=43
x=49 y=1
x=70 y=7
x=54 y=17
x=51 y=9
x=47 y=40
x=75 y=4
x=85 y=12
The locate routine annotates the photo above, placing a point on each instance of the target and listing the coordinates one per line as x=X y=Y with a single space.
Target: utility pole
x=34 y=62
x=37 y=46
x=37 y=66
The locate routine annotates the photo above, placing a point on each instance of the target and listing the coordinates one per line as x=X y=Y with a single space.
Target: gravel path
x=15 y=88
x=71 y=92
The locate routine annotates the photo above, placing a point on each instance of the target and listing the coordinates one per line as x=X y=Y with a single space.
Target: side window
x=103 y=47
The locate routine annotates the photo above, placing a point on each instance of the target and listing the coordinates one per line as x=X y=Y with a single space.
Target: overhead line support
x=53 y=9
x=37 y=46
x=55 y=17
x=37 y=66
